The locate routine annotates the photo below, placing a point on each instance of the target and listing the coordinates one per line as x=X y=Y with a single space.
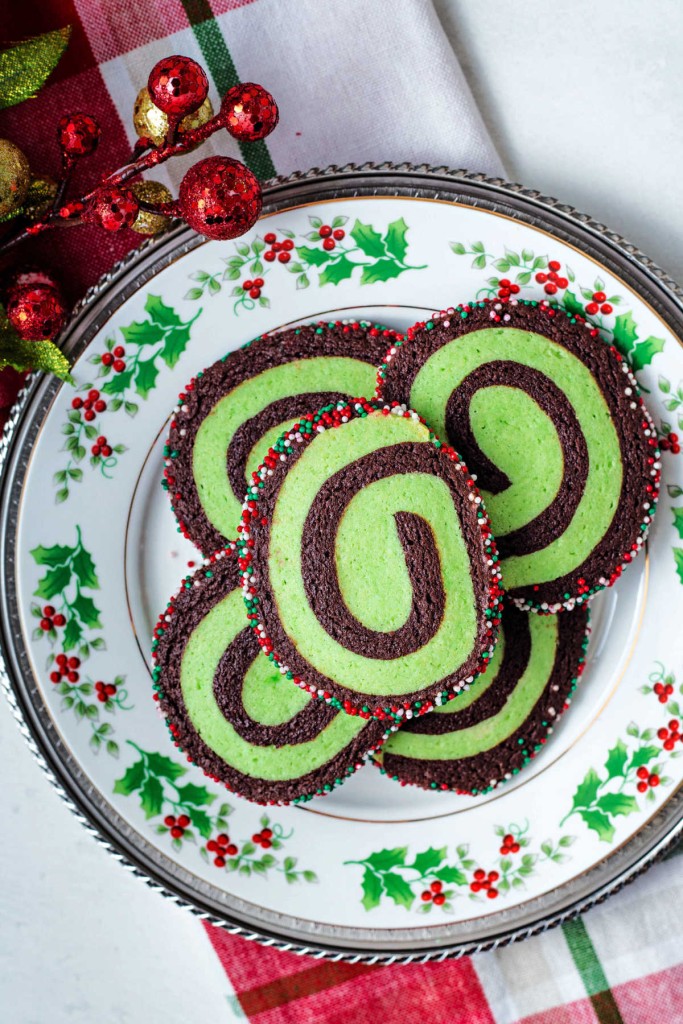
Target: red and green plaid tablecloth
x=346 y=93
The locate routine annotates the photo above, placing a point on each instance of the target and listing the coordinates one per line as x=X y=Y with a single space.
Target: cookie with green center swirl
x=229 y=415
x=474 y=744
x=228 y=708
x=369 y=571
x=550 y=420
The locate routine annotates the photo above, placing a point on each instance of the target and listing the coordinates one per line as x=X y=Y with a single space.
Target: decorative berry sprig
x=219 y=197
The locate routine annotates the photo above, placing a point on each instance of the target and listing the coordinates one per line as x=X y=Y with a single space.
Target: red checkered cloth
x=346 y=93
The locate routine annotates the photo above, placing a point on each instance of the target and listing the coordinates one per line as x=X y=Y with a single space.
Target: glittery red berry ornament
x=36 y=311
x=112 y=208
x=220 y=198
x=249 y=112
x=78 y=135
x=177 y=85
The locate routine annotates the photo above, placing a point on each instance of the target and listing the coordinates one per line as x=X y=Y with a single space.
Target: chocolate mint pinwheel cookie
x=230 y=414
x=549 y=418
x=473 y=744
x=369 y=570
x=229 y=709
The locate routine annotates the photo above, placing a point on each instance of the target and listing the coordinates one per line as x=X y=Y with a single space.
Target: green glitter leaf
x=372 y=890
x=395 y=239
x=25 y=68
x=617 y=803
x=616 y=760
x=341 y=270
x=645 y=351
x=428 y=859
x=398 y=890
x=368 y=240
x=600 y=823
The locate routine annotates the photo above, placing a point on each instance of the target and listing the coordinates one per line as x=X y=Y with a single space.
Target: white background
x=584 y=102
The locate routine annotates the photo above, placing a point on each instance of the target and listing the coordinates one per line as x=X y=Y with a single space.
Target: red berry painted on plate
x=592 y=308
x=606 y=308
x=329 y=244
x=284 y=257
x=550 y=288
x=325 y=231
x=339 y=233
x=554 y=265
x=541 y=278
x=269 y=238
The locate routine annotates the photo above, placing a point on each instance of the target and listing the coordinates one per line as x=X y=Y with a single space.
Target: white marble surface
x=584 y=103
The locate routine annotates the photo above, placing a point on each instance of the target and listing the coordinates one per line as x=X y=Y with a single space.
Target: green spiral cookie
x=369 y=570
x=474 y=744
x=229 y=415
x=227 y=707
x=551 y=421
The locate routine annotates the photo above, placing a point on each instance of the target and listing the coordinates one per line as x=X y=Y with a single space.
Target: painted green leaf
x=643 y=755
x=73 y=631
x=87 y=611
x=151 y=797
x=383 y=270
x=572 y=304
x=664 y=384
x=131 y=779
x=678 y=520
x=617 y=803
x=478 y=247
x=368 y=240
x=398 y=889
x=84 y=567
x=384 y=860
x=645 y=351
x=159 y=764
x=479 y=262
x=458 y=248
x=428 y=859
x=395 y=239
x=341 y=270
x=118 y=383
x=160 y=313
x=600 y=823
x=55 y=555
x=194 y=293
x=678 y=561
x=451 y=875
x=588 y=790
x=512 y=258
x=175 y=344
x=616 y=760
x=625 y=334
x=501 y=265
x=197 y=795
x=143 y=333
x=24 y=68
x=145 y=377
x=201 y=821
x=372 y=889
x=314 y=257
x=54 y=582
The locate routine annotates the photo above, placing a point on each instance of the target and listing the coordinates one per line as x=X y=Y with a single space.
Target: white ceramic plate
x=94 y=537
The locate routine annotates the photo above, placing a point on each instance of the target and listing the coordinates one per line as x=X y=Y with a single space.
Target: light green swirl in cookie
x=477 y=739
x=372 y=592
x=322 y=373
x=512 y=445
x=201 y=658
